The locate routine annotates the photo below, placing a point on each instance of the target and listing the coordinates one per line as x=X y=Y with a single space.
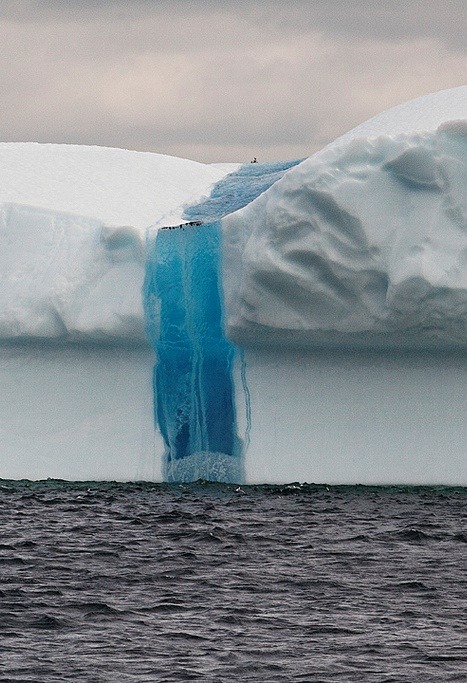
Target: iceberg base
x=357 y=417
x=205 y=465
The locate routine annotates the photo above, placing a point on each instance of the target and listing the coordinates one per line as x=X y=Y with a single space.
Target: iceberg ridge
x=364 y=244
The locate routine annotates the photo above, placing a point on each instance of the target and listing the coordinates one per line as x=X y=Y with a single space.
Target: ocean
x=111 y=582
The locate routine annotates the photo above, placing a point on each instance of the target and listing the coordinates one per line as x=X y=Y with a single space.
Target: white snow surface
x=362 y=244
x=113 y=186
x=73 y=225
x=423 y=113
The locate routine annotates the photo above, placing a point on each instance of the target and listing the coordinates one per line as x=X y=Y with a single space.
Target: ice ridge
x=362 y=245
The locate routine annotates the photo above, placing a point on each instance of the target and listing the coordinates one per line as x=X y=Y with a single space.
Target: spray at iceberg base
x=194 y=392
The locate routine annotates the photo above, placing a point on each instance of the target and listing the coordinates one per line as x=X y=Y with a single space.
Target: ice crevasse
x=309 y=319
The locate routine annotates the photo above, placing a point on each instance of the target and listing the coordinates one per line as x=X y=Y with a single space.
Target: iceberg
x=75 y=366
x=161 y=318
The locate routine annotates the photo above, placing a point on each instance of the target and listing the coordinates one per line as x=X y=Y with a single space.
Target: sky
x=219 y=80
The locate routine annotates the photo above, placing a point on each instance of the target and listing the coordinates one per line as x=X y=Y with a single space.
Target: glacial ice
x=194 y=387
x=335 y=327
x=362 y=245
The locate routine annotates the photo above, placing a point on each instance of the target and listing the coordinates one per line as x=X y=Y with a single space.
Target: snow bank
x=72 y=236
x=112 y=186
x=363 y=244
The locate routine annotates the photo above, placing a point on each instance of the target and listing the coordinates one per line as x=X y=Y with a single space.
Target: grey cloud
x=397 y=20
x=393 y=21
x=215 y=79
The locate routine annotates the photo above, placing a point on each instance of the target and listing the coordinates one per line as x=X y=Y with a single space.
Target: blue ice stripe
x=194 y=392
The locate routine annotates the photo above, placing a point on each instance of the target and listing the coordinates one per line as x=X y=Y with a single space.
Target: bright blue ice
x=238 y=189
x=193 y=387
x=194 y=392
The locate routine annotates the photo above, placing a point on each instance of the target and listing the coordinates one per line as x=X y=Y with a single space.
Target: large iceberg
x=306 y=321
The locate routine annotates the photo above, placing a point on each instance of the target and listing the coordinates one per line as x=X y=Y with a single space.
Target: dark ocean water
x=203 y=582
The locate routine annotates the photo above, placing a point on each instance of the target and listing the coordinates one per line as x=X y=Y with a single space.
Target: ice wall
x=77 y=412
x=357 y=416
x=346 y=285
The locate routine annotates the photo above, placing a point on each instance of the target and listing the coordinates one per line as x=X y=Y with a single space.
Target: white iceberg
x=343 y=285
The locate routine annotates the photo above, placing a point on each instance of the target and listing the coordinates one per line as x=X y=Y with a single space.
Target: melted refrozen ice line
x=193 y=385
x=195 y=396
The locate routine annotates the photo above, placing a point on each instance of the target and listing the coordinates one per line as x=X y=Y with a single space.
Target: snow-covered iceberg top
x=364 y=243
x=73 y=223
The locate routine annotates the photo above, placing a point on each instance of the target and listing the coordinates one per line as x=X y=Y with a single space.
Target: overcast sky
x=219 y=80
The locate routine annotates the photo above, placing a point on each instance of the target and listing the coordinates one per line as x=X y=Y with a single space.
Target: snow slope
x=112 y=186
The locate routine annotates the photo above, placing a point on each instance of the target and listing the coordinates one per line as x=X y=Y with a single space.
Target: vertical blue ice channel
x=193 y=378
x=194 y=393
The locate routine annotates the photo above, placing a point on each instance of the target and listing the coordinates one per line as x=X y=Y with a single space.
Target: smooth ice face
x=364 y=244
x=77 y=412
x=357 y=417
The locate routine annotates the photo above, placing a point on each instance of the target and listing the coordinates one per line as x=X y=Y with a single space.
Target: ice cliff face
x=363 y=244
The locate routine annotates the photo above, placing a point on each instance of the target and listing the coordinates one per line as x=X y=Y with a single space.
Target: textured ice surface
x=363 y=244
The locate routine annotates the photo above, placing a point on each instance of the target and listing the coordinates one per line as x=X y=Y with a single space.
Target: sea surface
x=108 y=582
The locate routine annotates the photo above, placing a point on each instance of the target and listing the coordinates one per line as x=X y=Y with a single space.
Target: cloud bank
x=218 y=80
